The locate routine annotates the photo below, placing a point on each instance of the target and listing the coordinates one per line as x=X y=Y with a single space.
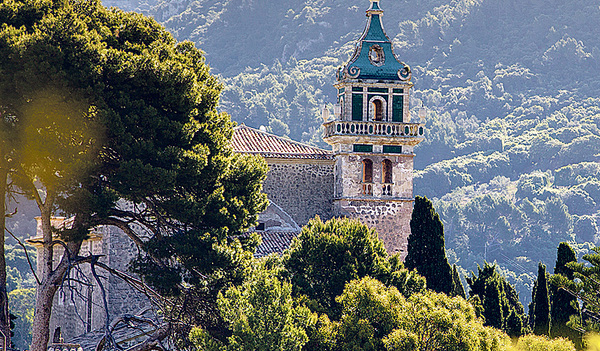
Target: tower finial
x=374 y=9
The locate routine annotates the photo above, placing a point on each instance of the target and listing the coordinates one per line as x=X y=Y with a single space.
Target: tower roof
x=374 y=57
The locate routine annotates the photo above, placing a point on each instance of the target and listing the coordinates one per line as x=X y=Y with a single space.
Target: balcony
x=386 y=189
x=384 y=130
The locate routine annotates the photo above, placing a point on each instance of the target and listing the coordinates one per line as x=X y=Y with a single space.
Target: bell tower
x=373 y=138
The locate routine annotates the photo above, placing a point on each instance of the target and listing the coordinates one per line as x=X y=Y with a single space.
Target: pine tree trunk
x=51 y=278
x=45 y=292
x=4 y=311
x=45 y=296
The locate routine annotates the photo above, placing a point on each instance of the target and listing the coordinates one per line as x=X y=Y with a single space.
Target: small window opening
x=367 y=171
x=387 y=171
x=260 y=226
x=377 y=110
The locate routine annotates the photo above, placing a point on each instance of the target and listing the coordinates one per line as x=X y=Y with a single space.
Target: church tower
x=373 y=138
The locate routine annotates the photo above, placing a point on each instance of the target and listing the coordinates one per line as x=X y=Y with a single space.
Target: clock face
x=376 y=55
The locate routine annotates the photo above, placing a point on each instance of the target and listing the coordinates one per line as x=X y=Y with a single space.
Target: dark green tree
x=107 y=106
x=492 y=304
x=498 y=300
x=564 y=304
x=539 y=310
x=426 y=247
x=584 y=286
x=459 y=289
x=328 y=255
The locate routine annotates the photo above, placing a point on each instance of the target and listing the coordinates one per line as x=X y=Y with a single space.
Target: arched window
x=377 y=108
x=386 y=165
x=386 y=178
x=367 y=171
x=367 y=186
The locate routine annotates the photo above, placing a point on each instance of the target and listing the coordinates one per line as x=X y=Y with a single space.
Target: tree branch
x=37 y=279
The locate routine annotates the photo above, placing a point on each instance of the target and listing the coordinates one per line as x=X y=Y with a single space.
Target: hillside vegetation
x=511 y=155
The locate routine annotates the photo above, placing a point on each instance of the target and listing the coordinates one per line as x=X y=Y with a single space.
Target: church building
x=366 y=175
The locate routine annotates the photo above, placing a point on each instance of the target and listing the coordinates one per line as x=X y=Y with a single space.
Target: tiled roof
x=248 y=140
x=274 y=242
x=126 y=335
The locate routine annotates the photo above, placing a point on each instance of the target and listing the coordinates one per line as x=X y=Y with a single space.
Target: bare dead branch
x=135 y=283
x=154 y=341
x=37 y=279
x=52 y=244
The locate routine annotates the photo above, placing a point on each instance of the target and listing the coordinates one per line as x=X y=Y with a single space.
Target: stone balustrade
x=386 y=189
x=367 y=189
x=372 y=128
x=64 y=347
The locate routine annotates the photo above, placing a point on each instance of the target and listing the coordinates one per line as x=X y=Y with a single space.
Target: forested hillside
x=511 y=86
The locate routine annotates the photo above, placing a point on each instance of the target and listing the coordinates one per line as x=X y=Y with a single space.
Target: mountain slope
x=511 y=87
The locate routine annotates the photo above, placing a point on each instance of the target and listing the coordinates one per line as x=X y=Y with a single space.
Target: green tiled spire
x=374 y=57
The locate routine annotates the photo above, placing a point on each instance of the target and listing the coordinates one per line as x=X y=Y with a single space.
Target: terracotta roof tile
x=274 y=242
x=252 y=141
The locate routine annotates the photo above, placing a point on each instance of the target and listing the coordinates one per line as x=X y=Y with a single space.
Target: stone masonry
x=302 y=188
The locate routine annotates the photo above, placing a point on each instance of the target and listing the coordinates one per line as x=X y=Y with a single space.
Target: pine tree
x=426 y=247
x=539 y=315
x=109 y=106
x=458 y=289
x=564 y=305
x=328 y=255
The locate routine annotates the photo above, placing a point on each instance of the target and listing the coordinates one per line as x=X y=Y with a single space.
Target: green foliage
x=564 y=305
x=326 y=256
x=497 y=107
x=499 y=301
x=117 y=124
x=539 y=310
x=426 y=247
x=375 y=317
x=22 y=305
x=19 y=274
x=539 y=343
x=585 y=287
x=458 y=288
x=262 y=316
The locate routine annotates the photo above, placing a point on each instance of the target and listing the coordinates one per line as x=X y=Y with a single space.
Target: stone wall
x=122 y=298
x=390 y=218
x=302 y=188
x=76 y=307
x=73 y=310
x=349 y=175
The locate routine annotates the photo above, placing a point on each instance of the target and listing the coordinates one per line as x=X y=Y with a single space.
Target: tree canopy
x=327 y=255
x=427 y=249
x=499 y=301
x=113 y=122
x=539 y=310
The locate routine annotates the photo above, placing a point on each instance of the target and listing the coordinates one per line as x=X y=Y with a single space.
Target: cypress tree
x=499 y=300
x=426 y=247
x=532 y=303
x=458 y=289
x=540 y=314
x=564 y=305
x=492 y=304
